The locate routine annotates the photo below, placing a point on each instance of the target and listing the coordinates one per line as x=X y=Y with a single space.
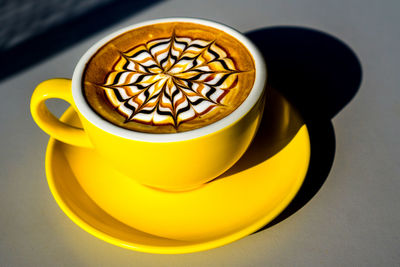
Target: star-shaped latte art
x=171 y=80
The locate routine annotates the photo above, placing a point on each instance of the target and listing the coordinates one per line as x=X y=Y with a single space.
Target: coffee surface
x=168 y=77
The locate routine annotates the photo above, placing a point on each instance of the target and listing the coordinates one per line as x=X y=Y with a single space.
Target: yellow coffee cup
x=173 y=161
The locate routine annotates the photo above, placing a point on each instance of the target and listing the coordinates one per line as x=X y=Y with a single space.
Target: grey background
x=22 y=19
x=352 y=221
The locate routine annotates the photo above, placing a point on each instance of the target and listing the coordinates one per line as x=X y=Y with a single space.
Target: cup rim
x=88 y=113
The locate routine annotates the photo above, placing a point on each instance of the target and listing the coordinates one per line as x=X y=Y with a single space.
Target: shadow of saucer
x=319 y=75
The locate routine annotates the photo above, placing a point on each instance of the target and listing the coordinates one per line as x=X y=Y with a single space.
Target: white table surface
x=353 y=220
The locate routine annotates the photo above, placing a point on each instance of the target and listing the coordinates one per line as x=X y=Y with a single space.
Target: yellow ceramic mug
x=175 y=161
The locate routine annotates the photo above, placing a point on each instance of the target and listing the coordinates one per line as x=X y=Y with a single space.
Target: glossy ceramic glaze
x=176 y=162
x=121 y=211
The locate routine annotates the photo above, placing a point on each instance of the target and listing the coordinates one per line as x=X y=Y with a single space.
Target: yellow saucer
x=120 y=211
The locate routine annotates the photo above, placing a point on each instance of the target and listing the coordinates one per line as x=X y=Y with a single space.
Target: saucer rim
x=191 y=246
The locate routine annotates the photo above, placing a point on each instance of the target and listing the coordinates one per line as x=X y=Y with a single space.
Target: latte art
x=168 y=77
x=170 y=81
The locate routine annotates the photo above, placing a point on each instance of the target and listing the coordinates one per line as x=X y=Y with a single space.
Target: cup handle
x=56 y=88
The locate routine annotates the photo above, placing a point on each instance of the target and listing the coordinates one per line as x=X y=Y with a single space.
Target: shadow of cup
x=311 y=77
x=280 y=123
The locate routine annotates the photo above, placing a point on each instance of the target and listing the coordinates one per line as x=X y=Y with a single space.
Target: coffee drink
x=168 y=77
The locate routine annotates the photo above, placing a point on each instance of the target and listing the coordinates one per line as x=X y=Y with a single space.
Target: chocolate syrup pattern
x=171 y=80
